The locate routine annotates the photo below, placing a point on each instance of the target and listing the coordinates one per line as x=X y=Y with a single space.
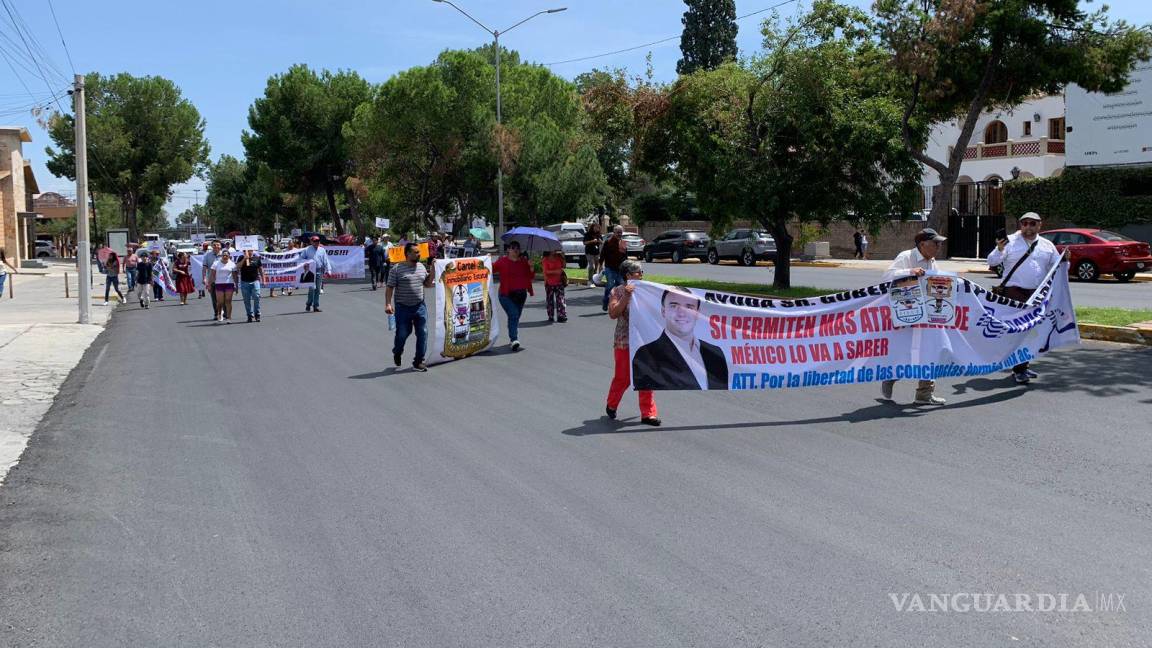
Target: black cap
x=929 y=234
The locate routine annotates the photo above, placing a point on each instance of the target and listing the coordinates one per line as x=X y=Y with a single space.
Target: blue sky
x=222 y=53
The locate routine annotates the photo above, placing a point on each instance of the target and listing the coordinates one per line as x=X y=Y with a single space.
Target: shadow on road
x=1097 y=371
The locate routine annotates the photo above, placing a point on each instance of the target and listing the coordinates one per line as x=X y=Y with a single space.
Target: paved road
x=1106 y=292
x=280 y=485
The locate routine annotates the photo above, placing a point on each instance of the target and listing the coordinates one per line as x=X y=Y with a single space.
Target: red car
x=1094 y=252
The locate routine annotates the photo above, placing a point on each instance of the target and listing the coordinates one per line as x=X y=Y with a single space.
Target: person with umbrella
x=516 y=275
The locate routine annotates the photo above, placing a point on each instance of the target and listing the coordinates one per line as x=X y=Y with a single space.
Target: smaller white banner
x=383 y=223
x=248 y=243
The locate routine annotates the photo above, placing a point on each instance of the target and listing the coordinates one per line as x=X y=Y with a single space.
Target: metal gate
x=976 y=216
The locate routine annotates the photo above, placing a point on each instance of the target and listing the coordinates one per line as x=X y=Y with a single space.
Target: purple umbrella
x=533 y=239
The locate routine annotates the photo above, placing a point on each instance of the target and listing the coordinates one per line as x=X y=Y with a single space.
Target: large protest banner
x=464 y=322
x=283 y=269
x=935 y=327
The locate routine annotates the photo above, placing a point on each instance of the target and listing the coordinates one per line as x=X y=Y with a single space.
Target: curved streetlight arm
x=482 y=25
x=538 y=13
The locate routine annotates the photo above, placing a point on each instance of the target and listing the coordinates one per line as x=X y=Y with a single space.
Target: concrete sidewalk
x=40 y=343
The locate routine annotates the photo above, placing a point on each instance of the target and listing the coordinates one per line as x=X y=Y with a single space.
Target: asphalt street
x=280 y=484
x=1106 y=292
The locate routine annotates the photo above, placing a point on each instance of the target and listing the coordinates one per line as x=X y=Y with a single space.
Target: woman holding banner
x=222 y=281
x=618 y=302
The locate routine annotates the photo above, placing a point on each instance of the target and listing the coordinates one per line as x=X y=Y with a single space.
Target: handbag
x=999 y=290
x=563 y=279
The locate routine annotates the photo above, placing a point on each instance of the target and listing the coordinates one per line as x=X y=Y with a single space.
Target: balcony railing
x=1024 y=148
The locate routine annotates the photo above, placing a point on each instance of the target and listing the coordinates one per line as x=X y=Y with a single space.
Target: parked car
x=45 y=249
x=745 y=245
x=1094 y=252
x=678 y=245
x=567 y=227
x=635 y=244
x=573 y=243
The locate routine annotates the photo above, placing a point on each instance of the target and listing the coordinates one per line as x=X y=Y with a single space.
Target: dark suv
x=678 y=245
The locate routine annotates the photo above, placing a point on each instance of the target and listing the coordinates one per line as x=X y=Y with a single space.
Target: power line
x=22 y=28
x=8 y=9
x=662 y=40
x=61 y=33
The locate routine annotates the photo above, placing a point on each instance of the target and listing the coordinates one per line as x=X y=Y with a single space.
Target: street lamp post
x=499 y=117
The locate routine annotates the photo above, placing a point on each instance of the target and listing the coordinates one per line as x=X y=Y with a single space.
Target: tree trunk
x=330 y=191
x=783 y=263
x=128 y=206
x=354 y=211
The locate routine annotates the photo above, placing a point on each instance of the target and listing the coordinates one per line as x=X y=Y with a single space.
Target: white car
x=45 y=249
x=635 y=244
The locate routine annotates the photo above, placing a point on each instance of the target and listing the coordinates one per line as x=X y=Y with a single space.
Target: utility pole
x=197 y=192
x=84 y=255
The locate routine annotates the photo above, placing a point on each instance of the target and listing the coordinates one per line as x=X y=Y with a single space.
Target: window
x=1056 y=128
x=1055 y=238
x=1027 y=128
x=1112 y=236
x=995 y=133
x=1072 y=238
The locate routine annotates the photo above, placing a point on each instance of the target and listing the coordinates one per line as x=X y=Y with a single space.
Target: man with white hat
x=1026 y=257
x=914 y=263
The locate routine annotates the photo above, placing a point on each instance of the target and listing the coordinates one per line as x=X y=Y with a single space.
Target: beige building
x=17 y=186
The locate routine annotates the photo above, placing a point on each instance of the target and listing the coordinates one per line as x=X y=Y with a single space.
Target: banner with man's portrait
x=926 y=328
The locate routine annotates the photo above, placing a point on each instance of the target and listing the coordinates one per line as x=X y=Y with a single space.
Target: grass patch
x=1112 y=316
x=756 y=289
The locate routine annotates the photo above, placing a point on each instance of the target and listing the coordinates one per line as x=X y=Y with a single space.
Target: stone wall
x=889 y=241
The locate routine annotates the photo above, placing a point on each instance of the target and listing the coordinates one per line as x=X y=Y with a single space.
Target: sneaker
x=249 y=319
x=105 y=303
x=931 y=400
x=1021 y=378
x=550 y=320
x=419 y=366
x=515 y=345
x=257 y=317
x=561 y=319
x=321 y=291
x=316 y=310
x=396 y=359
x=307 y=309
x=886 y=390
x=604 y=307
x=610 y=412
x=1031 y=374
x=651 y=420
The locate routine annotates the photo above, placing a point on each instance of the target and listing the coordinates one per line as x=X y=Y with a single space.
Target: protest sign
x=250 y=242
x=383 y=223
x=922 y=329
x=465 y=322
x=283 y=269
x=396 y=253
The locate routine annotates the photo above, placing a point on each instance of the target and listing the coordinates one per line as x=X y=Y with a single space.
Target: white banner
x=463 y=318
x=250 y=242
x=1113 y=128
x=283 y=269
x=701 y=339
x=383 y=223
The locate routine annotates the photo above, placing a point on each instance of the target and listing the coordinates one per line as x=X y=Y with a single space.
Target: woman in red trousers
x=618 y=302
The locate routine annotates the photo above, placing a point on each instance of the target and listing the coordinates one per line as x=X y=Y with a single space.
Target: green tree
x=298 y=132
x=709 y=37
x=954 y=60
x=143 y=138
x=242 y=196
x=799 y=135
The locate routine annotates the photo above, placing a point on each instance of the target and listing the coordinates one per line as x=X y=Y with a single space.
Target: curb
x=1122 y=334
x=1137 y=279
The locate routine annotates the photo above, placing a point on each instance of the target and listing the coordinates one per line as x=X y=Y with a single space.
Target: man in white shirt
x=914 y=263
x=1021 y=279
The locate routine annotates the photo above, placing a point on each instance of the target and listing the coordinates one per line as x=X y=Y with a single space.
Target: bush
x=1108 y=198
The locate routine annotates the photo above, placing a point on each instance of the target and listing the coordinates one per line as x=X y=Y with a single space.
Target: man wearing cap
x=317 y=258
x=1023 y=279
x=914 y=263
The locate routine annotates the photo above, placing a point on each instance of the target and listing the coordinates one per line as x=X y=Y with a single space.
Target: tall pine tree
x=709 y=37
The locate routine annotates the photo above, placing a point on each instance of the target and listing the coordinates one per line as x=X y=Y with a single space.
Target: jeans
x=314 y=292
x=513 y=305
x=110 y=281
x=131 y=274
x=4 y=278
x=407 y=319
x=251 y=292
x=143 y=291
x=157 y=291
x=611 y=280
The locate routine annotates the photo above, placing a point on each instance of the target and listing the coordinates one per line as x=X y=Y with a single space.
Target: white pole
x=84 y=257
